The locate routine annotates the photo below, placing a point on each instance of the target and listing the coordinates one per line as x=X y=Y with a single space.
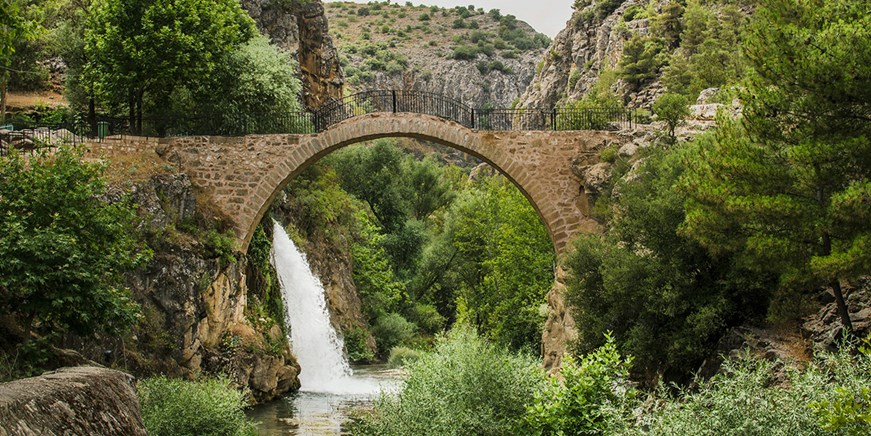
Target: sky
x=545 y=16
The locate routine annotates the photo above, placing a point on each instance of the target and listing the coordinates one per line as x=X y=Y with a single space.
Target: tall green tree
x=789 y=185
x=140 y=51
x=15 y=26
x=665 y=297
x=63 y=247
x=506 y=263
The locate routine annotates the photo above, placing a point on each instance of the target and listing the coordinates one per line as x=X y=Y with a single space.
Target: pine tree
x=789 y=186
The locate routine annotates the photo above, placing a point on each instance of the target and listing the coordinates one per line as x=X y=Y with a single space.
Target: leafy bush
x=466 y=386
x=64 y=247
x=464 y=53
x=180 y=408
x=403 y=356
x=392 y=330
x=428 y=318
x=357 y=346
x=593 y=396
x=746 y=398
x=609 y=154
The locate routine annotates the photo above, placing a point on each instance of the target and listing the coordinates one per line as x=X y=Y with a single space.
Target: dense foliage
x=206 y=407
x=430 y=246
x=743 y=222
x=140 y=52
x=831 y=396
x=665 y=297
x=465 y=386
x=64 y=246
x=590 y=397
x=788 y=186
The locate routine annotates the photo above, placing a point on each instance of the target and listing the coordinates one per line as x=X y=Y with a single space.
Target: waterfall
x=315 y=344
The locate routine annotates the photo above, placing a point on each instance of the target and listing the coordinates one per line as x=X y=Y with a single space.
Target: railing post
x=473 y=119
x=394 y=100
x=553 y=119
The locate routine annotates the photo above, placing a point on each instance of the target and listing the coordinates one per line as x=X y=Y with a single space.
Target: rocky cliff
x=591 y=44
x=301 y=27
x=198 y=314
x=468 y=54
x=81 y=400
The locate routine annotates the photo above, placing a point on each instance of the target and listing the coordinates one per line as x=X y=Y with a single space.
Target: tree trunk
x=843 y=311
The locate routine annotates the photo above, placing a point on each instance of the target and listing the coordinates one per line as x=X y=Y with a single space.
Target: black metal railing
x=420 y=102
x=78 y=128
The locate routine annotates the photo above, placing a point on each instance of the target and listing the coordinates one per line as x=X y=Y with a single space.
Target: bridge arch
x=538 y=163
x=424 y=127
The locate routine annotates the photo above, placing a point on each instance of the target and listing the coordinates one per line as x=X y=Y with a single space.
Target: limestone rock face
x=81 y=400
x=194 y=304
x=302 y=28
x=580 y=52
x=559 y=329
x=426 y=48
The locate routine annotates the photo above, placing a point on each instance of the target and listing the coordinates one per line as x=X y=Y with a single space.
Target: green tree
x=666 y=299
x=641 y=59
x=506 y=263
x=140 y=51
x=15 y=27
x=673 y=110
x=255 y=79
x=789 y=186
x=63 y=247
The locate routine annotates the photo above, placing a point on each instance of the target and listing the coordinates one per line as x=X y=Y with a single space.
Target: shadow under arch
x=425 y=127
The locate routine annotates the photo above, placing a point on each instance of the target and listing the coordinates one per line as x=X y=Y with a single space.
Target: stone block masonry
x=243 y=175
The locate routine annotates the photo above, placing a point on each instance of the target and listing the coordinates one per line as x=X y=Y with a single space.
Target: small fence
x=33 y=137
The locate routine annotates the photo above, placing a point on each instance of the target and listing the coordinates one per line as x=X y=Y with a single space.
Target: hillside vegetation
x=468 y=53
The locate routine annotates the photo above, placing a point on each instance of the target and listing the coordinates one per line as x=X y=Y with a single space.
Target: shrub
x=609 y=154
x=467 y=386
x=391 y=330
x=403 y=356
x=745 y=398
x=180 y=407
x=464 y=53
x=357 y=346
x=428 y=318
x=592 y=398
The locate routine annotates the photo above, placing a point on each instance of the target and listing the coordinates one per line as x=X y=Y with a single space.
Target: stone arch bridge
x=244 y=174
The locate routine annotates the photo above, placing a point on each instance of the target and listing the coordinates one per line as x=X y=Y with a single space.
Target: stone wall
x=71 y=401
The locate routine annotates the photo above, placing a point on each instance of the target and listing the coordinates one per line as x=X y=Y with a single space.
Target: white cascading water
x=314 y=341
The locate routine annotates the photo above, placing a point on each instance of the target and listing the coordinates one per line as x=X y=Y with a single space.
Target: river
x=323 y=413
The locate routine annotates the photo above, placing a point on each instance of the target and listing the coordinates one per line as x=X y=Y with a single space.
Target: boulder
x=71 y=401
